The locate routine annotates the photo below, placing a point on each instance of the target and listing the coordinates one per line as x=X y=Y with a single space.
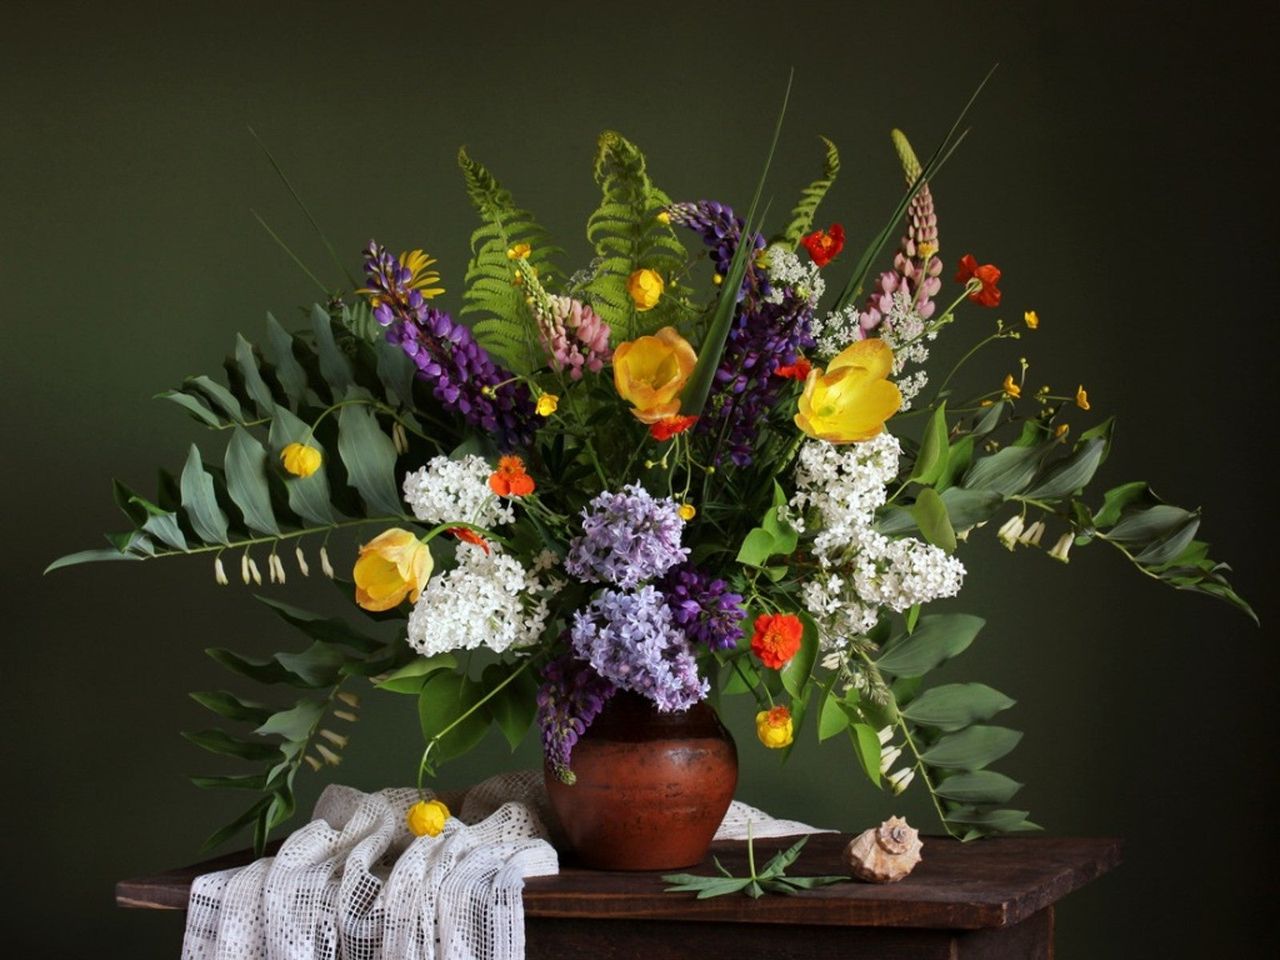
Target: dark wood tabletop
x=992 y=883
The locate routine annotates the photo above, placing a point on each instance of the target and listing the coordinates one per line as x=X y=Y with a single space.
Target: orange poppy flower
x=668 y=427
x=510 y=479
x=988 y=275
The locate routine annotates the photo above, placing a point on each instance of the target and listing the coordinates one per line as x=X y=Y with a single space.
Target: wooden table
x=978 y=901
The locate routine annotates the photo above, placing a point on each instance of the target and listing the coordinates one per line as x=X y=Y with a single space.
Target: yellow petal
x=873 y=354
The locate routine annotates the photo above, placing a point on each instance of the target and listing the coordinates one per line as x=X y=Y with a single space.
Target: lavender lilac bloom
x=631 y=640
x=704 y=608
x=769 y=331
x=571 y=697
x=462 y=375
x=627 y=538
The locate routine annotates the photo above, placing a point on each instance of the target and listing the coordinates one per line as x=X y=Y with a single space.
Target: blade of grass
x=712 y=347
x=333 y=254
x=285 y=247
x=940 y=155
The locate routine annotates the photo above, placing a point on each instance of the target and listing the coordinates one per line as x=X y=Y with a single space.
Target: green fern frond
x=802 y=216
x=503 y=324
x=628 y=236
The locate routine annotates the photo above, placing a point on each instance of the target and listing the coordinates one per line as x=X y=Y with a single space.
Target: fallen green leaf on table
x=772 y=879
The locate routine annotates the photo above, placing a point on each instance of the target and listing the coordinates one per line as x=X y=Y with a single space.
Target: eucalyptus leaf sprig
x=772 y=879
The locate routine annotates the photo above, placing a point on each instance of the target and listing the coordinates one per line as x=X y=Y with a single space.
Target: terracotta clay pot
x=651 y=787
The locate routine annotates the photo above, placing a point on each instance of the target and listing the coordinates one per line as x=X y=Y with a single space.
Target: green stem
x=919 y=764
x=274 y=537
x=422 y=764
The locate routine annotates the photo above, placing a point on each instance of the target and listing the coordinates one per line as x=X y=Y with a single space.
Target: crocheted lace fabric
x=354 y=884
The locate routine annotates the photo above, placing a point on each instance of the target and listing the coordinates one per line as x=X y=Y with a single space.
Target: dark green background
x=1116 y=172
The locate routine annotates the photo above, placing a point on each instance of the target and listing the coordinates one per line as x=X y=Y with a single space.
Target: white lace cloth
x=354 y=884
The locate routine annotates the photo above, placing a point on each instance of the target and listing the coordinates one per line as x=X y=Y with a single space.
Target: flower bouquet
x=713 y=461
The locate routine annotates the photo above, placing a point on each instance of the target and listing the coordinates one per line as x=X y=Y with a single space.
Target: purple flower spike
x=571 y=697
x=704 y=608
x=769 y=331
x=462 y=375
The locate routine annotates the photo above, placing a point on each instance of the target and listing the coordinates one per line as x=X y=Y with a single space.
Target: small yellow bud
x=717 y=279
x=300 y=460
x=518 y=279
x=426 y=818
x=1031 y=319
x=986 y=403
x=1082 y=398
x=687 y=511
x=926 y=250
x=645 y=288
x=1011 y=389
x=664 y=217
x=774 y=728
x=547 y=404
x=1060 y=430
x=519 y=251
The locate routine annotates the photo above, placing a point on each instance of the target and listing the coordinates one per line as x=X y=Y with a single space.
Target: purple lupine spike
x=463 y=377
x=704 y=607
x=570 y=698
x=769 y=330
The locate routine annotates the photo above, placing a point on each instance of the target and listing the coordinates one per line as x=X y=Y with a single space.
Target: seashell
x=884 y=854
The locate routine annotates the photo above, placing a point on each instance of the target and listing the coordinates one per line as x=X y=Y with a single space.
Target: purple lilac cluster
x=572 y=695
x=767 y=333
x=627 y=538
x=704 y=607
x=631 y=639
x=462 y=375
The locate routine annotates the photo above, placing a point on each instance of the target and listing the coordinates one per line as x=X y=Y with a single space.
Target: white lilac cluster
x=447 y=491
x=785 y=269
x=487 y=600
x=835 y=331
x=862 y=570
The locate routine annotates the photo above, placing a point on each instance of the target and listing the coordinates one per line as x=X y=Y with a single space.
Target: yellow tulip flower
x=650 y=372
x=393 y=565
x=852 y=399
x=426 y=818
x=300 y=459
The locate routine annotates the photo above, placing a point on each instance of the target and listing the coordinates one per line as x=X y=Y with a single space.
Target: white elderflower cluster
x=862 y=570
x=835 y=331
x=906 y=333
x=445 y=491
x=487 y=600
x=785 y=269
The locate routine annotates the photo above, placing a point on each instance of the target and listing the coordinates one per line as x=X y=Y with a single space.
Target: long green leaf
x=246 y=466
x=937 y=637
x=370 y=459
x=200 y=500
x=698 y=389
x=971 y=749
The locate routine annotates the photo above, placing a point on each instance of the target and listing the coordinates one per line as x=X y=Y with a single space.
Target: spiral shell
x=884 y=854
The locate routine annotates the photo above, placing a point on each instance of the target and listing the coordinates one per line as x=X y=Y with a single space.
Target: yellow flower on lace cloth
x=427 y=818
